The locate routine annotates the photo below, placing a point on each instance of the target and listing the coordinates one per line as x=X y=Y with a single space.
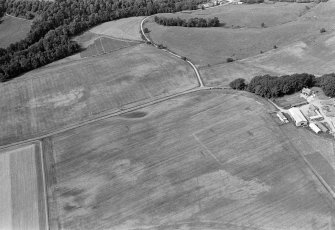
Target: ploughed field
x=206 y=160
x=22 y=198
x=13 y=30
x=65 y=94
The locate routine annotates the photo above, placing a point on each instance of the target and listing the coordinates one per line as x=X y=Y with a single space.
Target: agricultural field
x=250 y=15
x=103 y=45
x=69 y=93
x=126 y=28
x=223 y=74
x=13 y=30
x=214 y=45
x=319 y=151
x=22 y=197
x=230 y=167
x=314 y=55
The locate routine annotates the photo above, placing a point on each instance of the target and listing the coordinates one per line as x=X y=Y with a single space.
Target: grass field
x=207 y=160
x=126 y=28
x=22 y=204
x=250 y=15
x=288 y=101
x=13 y=30
x=313 y=55
x=214 y=45
x=54 y=97
x=223 y=74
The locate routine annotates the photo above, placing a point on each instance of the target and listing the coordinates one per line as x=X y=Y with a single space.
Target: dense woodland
x=56 y=22
x=272 y=86
x=192 y=22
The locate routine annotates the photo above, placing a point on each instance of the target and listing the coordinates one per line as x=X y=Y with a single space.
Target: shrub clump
x=230 y=59
x=238 y=84
x=272 y=86
x=192 y=22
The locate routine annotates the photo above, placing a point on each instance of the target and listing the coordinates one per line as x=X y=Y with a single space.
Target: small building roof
x=314 y=127
x=321 y=126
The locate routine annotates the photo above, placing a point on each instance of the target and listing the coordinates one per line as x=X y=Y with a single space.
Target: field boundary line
x=246 y=227
x=17 y=17
x=45 y=196
x=201 y=84
x=119 y=39
x=102 y=46
x=112 y=114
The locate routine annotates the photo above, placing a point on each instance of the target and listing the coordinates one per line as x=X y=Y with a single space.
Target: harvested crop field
x=206 y=160
x=126 y=28
x=13 y=30
x=61 y=95
x=103 y=45
x=214 y=45
x=22 y=203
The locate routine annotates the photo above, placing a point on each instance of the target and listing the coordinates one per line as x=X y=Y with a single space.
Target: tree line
x=192 y=22
x=55 y=22
x=273 y=86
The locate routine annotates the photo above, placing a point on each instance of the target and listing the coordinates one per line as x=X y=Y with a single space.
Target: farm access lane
x=201 y=84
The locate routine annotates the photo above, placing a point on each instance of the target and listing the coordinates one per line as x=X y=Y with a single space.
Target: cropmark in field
x=54 y=97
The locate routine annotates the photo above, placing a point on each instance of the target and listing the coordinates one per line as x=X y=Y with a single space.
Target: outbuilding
x=282 y=117
x=298 y=117
x=321 y=126
x=314 y=128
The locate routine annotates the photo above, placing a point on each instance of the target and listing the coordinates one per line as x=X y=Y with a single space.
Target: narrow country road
x=201 y=84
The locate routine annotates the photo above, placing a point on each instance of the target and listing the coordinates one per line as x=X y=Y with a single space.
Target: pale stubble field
x=22 y=198
x=54 y=97
x=207 y=160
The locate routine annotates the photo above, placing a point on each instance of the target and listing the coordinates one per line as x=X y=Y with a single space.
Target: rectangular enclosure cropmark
x=22 y=193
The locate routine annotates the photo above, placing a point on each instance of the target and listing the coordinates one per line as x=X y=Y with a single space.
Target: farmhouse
x=297 y=116
x=306 y=92
x=314 y=127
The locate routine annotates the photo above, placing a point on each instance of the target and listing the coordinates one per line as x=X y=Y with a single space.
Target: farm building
x=282 y=117
x=297 y=116
x=321 y=126
x=314 y=128
x=318 y=116
x=307 y=92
